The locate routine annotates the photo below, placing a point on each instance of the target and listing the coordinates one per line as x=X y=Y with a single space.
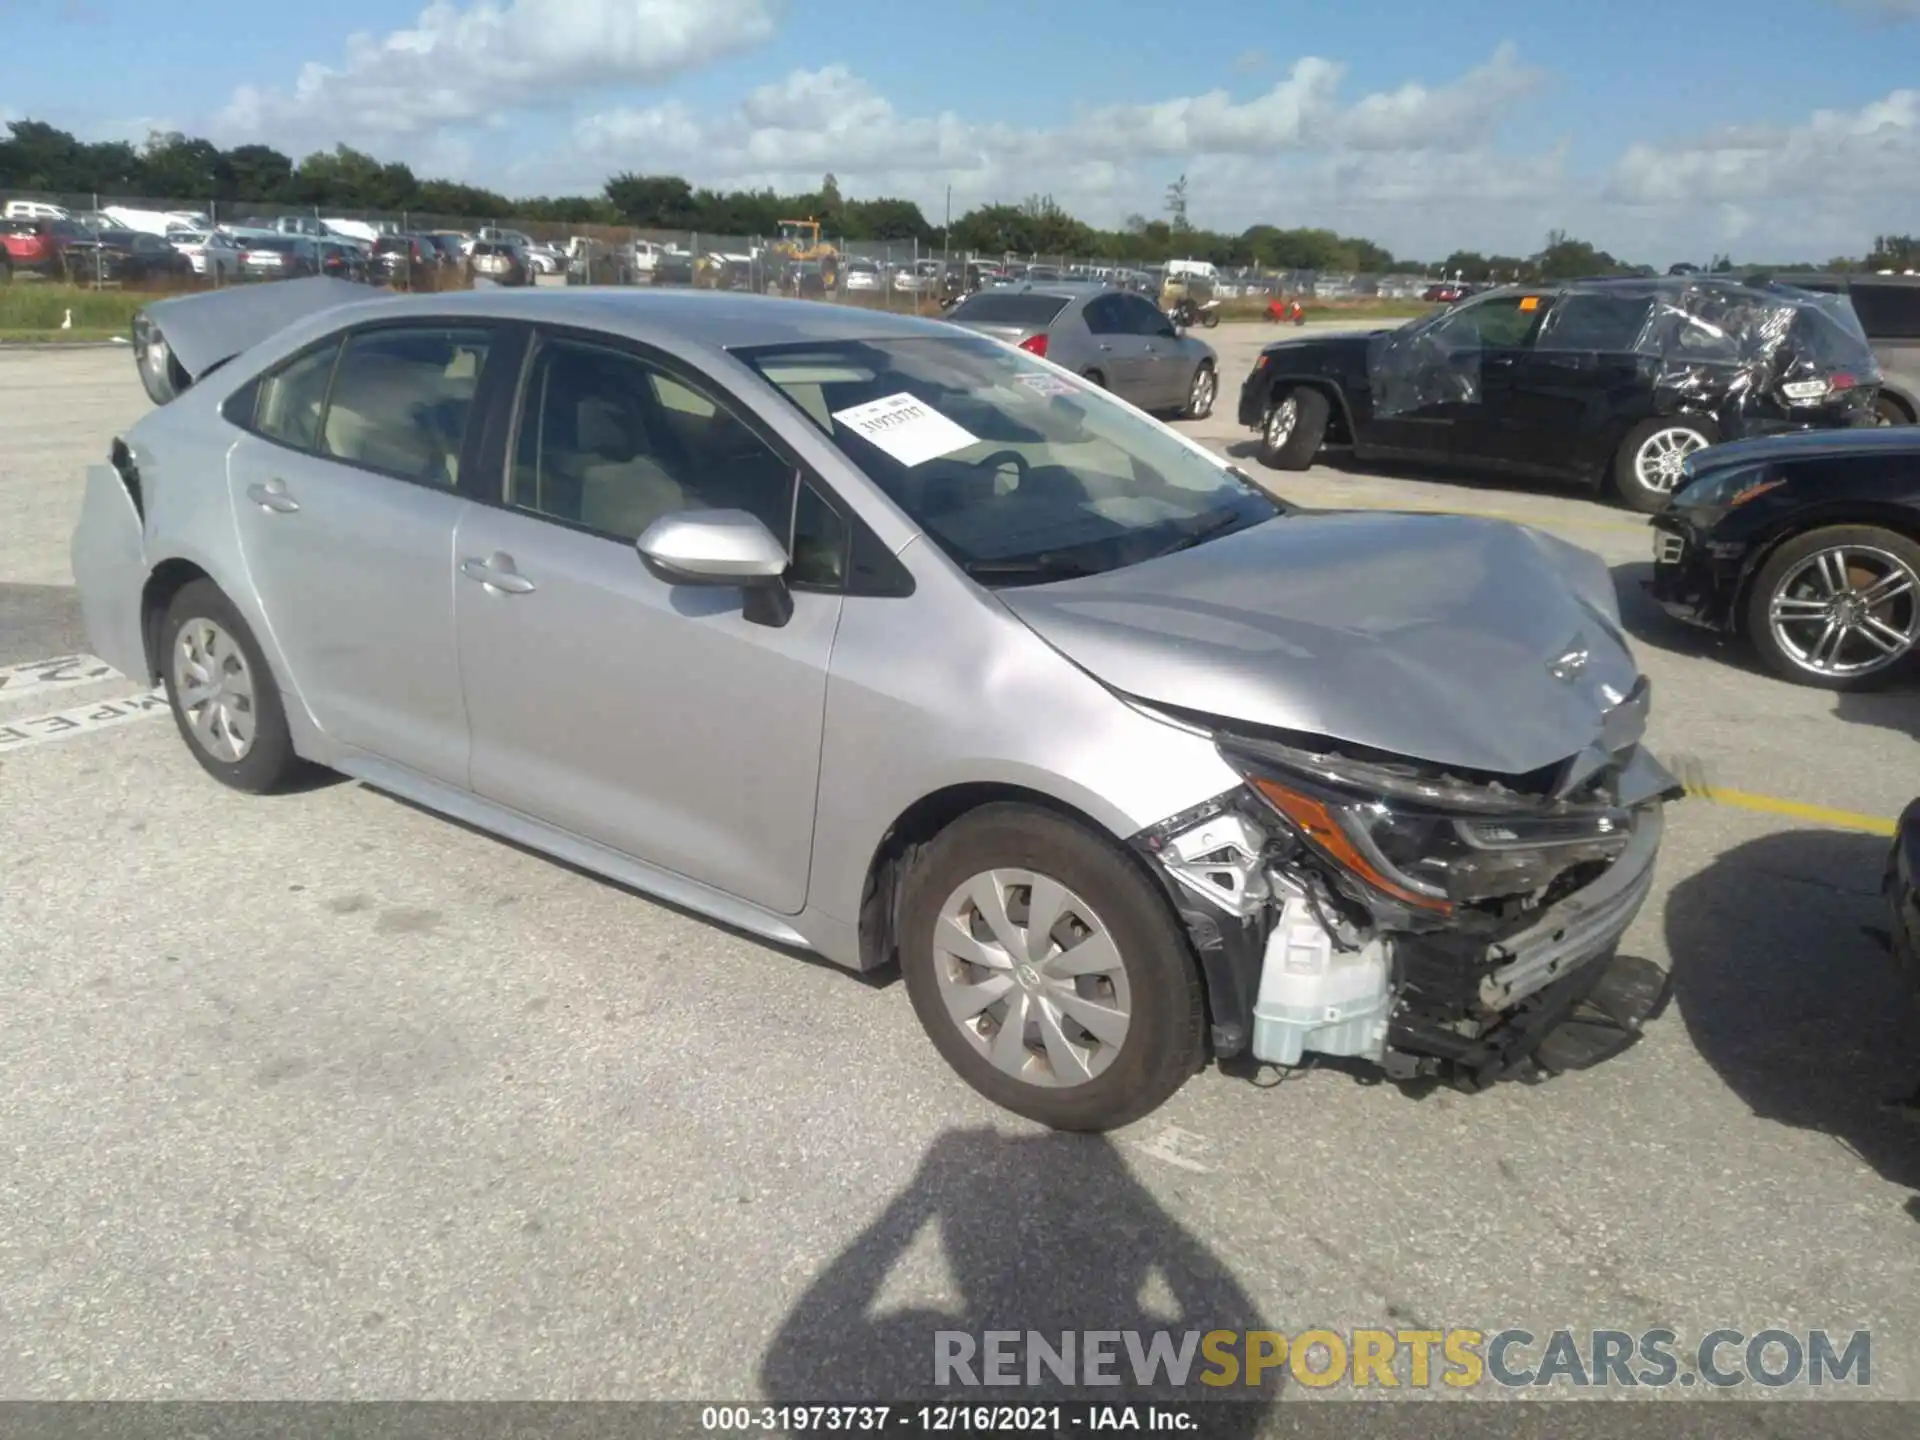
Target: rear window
x=988 y=308
x=270 y=242
x=1595 y=321
x=1887 y=312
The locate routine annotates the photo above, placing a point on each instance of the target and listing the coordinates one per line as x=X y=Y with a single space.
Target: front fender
x=109 y=558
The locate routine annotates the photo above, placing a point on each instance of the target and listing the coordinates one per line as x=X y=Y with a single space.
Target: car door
x=343 y=488
x=1577 y=372
x=650 y=717
x=1429 y=383
x=1119 y=350
x=1163 y=361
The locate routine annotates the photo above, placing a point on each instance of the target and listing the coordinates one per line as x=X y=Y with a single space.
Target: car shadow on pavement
x=1896 y=708
x=1791 y=998
x=1042 y=1234
x=1643 y=619
x=40 y=621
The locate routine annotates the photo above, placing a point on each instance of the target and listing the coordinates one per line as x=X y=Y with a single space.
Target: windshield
x=1020 y=473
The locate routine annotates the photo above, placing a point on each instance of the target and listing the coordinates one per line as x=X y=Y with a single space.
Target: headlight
x=1435 y=857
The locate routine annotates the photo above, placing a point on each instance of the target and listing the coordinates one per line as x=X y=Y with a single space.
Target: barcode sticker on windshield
x=1043 y=384
x=907 y=428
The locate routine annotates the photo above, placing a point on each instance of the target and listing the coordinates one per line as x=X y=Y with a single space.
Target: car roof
x=705 y=319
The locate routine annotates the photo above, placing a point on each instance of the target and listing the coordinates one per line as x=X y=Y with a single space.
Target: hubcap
x=1661 y=456
x=1202 y=398
x=1032 y=978
x=214 y=689
x=1847 y=611
x=1280 y=422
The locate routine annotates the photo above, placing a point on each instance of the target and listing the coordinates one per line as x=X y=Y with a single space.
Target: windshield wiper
x=1050 y=565
x=1199 y=535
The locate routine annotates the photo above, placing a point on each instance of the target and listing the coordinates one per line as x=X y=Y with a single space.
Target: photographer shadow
x=1045 y=1234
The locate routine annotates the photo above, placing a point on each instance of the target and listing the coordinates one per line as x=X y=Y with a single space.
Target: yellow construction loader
x=799 y=242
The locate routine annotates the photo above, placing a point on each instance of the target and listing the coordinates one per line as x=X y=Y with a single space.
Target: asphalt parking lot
x=321 y=1096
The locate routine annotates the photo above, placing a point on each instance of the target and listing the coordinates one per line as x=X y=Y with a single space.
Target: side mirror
x=721 y=548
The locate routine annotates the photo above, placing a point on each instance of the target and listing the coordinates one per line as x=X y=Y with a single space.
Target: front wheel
x=1048 y=972
x=1837 y=608
x=1201 y=393
x=1295 y=424
x=1651 y=461
x=1209 y=318
x=222 y=694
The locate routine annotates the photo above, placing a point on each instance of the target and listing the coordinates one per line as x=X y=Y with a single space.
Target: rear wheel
x=1295 y=424
x=1889 y=411
x=1838 y=607
x=1048 y=972
x=1650 y=461
x=1094 y=377
x=222 y=694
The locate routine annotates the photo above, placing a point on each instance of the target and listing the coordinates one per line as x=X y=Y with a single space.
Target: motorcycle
x=1284 y=311
x=1185 y=314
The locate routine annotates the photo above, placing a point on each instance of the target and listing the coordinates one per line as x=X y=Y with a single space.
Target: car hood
x=1353 y=340
x=1452 y=639
x=1843 y=443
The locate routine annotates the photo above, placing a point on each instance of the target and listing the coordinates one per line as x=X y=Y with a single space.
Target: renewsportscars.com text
x=1412 y=1359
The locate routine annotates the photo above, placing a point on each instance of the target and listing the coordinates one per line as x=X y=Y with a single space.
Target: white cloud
x=480 y=63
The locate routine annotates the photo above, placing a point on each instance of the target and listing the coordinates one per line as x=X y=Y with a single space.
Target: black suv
x=1596 y=382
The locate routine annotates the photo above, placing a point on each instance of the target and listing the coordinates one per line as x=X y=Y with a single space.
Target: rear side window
x=401 y=399
x=988 y=308
x=1583 y=321
x=289 y=401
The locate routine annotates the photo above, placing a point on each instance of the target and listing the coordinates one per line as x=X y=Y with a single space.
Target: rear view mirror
x=721 y=548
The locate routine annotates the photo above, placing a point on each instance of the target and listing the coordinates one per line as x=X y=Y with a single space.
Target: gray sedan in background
x=1121 y=342
x=868 y=635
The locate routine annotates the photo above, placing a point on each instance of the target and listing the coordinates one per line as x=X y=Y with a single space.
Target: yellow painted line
x=1692 y=774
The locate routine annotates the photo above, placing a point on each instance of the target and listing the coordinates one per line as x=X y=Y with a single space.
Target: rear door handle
x=273 y=496
x=496 y=572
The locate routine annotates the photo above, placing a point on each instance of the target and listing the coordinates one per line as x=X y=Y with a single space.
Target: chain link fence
x=903 y=275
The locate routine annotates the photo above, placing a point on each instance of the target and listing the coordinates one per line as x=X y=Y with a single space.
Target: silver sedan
x=1116 y=340
x=872 y=636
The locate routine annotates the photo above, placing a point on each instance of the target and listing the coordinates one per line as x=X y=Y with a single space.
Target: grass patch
x=33 y=307
x=75 y=336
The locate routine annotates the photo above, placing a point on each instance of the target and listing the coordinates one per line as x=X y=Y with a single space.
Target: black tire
x=1164 y=1041
x=1199 y=406
x=1293 y=445
x=269 y=763
x=1633 y=492
x=1889 y=411
x=1210 y=318
x=1756 y=612
x=1095 y=377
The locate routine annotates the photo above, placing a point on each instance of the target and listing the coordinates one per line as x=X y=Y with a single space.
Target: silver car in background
x=866 y=634
x=1118 y=341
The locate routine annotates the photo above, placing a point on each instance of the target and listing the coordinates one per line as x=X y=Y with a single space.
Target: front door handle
x=496 y=572
x=273 y=496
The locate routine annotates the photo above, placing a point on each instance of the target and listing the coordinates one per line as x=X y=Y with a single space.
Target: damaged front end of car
x=1437 y=923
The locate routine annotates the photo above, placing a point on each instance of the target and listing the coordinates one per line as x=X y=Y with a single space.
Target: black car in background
x=1594 y=382
x=1806 y=547
x=400 y=259
x=125 y=256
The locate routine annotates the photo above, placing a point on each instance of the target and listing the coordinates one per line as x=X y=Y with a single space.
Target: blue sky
x=1768 y=127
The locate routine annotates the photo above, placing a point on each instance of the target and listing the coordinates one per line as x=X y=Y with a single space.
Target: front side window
x=1019 y=473
x=401 y=400
x=1499 y=323
x=610 y=442
x=290 y=401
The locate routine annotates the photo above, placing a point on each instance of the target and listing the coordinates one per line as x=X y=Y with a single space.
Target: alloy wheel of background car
x=222 y=693
x=1048 y=971
x=1660 y=457
x=1200 y=396
x=1650 y=461
x=1838 y=608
